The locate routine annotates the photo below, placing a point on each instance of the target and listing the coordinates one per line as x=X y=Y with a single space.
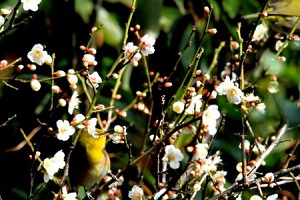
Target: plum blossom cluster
x=235 y=95
x=134 y=53
x=53 y=164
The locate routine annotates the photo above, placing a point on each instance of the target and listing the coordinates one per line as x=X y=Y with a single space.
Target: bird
x=89 y=161
x=280 y=15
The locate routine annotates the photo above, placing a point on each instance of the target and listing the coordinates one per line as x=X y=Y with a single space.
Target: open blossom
x=233 y=93
x=178 y=107
x=259 y=33
x=210 y=164
x=78 y=119
x=119 y=134
x=52 y=165
x=91 y=126
x=210 y=117
x=195 y=104
x=146 y=45
x=136 y=193
x=89 y=60
x=94 y=80
x=129 y=50
x=31 y=4
x=219 y=177
x=73 y=102
x=201 y=151
x=172 y=156
x=37 y=54
x=64 y=130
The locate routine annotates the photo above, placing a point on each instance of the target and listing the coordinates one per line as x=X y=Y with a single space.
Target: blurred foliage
x=65 y=25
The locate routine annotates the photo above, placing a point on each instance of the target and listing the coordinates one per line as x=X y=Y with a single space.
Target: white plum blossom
x=64 y=130
x=129 y=50
x=225 y=86
x=219 y=178
x=119 y=134
x=88 y=60
x=78 y=119
x=52 y=165
x=251 y=98
x=259 y=33
x=210 y=117
x=195 y=104
x=94 y=80
x=136 y=193
x=178 y=107
x=200 y=151
x=210 y=164
x=172 y=156
x=73 y=102
x=31 y=4
x=91 y=126
x=146 y=45
x=48 y=59
x=37 y=54
x=233 y=93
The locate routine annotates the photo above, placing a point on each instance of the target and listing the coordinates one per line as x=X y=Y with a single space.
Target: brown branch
x=24 y=142
x=238 y=187
x=148 y=153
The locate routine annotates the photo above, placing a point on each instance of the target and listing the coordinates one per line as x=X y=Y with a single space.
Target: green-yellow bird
x=89 y=162
x=281 y=15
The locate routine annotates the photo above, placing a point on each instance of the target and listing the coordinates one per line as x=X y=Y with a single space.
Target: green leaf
x=111 y=30
x=148 y=14
x=169 y=16
x=231 y=7
x=84 y=8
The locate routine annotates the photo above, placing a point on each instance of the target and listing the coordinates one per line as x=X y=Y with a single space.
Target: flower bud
x=62 y=102
x=35 y=84
x=212 y=31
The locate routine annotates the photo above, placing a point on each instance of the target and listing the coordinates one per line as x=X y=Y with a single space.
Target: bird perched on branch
x=89 y=161
x=280 y=15
x=283 y=14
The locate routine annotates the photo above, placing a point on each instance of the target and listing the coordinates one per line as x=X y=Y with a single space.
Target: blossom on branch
x=52 y=165
x=73 y=102
x=146 y=45
x=132 y=54
x=37 y=54
x=94 y=80
x=31 y=4
x=172 y=156
x=136 y=193
x=64 y=130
